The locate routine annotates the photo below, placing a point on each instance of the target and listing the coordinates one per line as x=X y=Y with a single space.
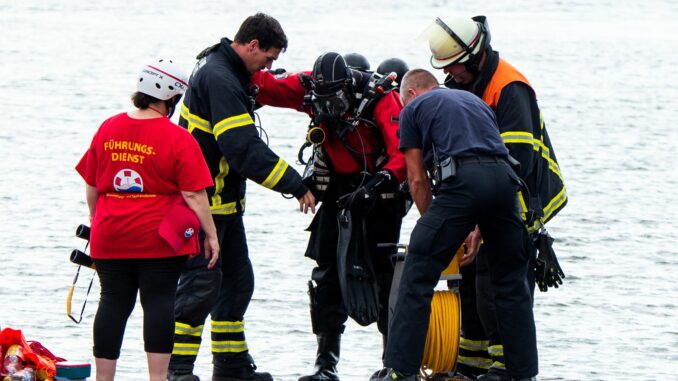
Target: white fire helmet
x=162 y=80
x=456 y=40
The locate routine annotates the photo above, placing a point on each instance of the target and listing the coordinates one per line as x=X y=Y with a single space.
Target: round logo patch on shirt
x=188 y=233
x=128 y=181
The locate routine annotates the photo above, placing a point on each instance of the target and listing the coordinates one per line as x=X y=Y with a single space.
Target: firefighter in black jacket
x=461 y=48
x=358 y=168
x=218 y=110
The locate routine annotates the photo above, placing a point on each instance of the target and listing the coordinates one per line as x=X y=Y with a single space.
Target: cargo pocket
x=424 y=233
x=197 y=292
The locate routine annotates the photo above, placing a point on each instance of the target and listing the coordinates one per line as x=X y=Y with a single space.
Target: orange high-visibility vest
x=504 y=75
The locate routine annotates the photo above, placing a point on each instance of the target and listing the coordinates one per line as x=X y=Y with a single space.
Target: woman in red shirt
x=146 y=180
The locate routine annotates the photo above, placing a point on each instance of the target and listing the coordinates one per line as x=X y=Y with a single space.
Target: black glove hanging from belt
x=363 y=198
x=548 y=272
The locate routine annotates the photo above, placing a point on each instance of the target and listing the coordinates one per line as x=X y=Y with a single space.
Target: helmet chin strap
x=473 y=68
x=473 y=65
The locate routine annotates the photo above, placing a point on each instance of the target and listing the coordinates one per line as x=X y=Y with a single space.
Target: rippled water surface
x=607 y=82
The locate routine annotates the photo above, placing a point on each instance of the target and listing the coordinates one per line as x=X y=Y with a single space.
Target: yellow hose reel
x=442 y=341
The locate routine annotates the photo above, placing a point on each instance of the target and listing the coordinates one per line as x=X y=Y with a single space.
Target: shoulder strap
x=375 y=89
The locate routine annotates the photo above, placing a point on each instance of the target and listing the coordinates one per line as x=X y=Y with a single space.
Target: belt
x=461 y=161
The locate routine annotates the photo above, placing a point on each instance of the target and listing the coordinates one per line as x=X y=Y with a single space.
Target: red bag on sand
x=43 y=365
x=40 y=349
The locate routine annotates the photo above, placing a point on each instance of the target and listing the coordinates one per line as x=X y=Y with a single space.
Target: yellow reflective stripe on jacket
x=553 y=166
x=229 y=346
x=554 y=204
x=276 y=174
x=473 y=345
x=224 y=169
x=523 y=204
x=228 y=326
x=185 y=329
x=523 y=213
x=518 y=137
x=522 y=137
x=232 y=122
x=525 y=138
x=228 y=208
x=185 y=349
x=195 y=121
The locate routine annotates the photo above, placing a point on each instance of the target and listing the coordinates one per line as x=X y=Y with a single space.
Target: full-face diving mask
x=330 y=100
x=332 y=79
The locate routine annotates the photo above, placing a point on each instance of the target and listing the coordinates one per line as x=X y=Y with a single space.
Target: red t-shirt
x=139 y=167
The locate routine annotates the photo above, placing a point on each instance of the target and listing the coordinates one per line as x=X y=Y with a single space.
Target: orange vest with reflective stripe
x=550 y=187
x=504 y=75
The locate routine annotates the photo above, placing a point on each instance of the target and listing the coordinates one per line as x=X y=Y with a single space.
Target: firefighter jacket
x=374 y=146
x=522 y=129
x=218 y=110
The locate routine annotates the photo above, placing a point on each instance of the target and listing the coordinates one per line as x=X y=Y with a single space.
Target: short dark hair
x=419 y=79
x=263 y=28
x=142 y=100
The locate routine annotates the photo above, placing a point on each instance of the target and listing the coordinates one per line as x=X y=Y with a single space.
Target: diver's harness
x=317 y=171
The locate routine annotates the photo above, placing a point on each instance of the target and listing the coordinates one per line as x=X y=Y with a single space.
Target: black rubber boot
x=181 y=375
x=387 y=374
x=234 y=370
x=327 y=359
x=495 y=374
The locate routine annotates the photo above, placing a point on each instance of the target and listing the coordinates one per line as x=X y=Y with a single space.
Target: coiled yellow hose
x=442 y=340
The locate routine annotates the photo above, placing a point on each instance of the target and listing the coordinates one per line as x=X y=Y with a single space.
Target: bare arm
x=199 y=203
x=420 y=188
x=91 y=195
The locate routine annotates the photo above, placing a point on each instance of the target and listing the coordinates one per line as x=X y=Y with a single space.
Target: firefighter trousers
x=223 y=292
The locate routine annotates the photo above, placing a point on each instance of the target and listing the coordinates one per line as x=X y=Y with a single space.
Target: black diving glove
x=548 y=272
x=363 y=198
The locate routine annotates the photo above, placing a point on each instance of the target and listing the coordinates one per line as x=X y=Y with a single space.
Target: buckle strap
x=387 y=196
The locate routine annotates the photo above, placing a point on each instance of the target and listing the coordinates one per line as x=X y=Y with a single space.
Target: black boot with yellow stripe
x=388 y=374
x=497 y=371
x=473 y=359
x=187 y=339
x=230 y=353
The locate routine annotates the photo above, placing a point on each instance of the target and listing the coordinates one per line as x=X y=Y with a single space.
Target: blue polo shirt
x=458 y=122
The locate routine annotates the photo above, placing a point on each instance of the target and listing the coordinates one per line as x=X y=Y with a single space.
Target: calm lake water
x=607 y=82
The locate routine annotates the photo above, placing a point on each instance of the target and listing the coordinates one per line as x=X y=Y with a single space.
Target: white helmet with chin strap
x=457 y=40
x=162 y=80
